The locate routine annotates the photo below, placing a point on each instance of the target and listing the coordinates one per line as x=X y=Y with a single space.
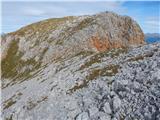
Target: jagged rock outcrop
x=80 y=68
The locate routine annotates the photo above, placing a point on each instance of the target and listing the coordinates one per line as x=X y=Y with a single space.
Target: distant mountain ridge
x=152 y=37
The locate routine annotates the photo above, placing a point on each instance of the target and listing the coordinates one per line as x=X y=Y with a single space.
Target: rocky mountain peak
x=80 y=68
x=63 y=37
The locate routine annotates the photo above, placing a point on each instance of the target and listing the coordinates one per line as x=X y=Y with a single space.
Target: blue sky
x=18 y=14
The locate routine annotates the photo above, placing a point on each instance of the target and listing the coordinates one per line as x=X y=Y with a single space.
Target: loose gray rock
x=107 y=108
x=116 y=103
x=83 y=116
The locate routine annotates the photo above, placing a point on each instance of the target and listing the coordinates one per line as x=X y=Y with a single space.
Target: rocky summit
x=95 y=67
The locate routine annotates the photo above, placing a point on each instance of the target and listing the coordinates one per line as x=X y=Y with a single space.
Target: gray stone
x=107 y=108
x=116 y=102
x=83 y=116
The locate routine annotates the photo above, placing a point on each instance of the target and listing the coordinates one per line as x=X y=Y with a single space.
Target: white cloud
x=116 y=6
x=113 y=5
x=153 y=22
x=62 y=10
x=66 y=0
x=44 y=10
x=33 y=12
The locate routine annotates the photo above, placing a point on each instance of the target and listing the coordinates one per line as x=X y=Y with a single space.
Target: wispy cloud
x=153 y=23
x=33 y=11
x=116 y=6
x=58 y=10
x=25 y=12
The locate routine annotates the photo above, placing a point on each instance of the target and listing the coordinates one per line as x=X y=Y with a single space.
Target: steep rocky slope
x=80 y=68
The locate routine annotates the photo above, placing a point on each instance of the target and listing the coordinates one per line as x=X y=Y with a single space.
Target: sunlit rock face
x=80 y=68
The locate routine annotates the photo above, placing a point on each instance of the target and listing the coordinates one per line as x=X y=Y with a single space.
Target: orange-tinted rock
x=100 y=45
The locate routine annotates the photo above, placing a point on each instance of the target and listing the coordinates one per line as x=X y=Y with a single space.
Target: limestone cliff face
x=60 y=38
x=115 y=32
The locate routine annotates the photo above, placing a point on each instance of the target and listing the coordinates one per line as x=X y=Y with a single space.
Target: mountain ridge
x=152 y=37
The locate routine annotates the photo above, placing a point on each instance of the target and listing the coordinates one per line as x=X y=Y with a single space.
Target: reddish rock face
x=104 y=44
x=114 y=31
x=100 y=45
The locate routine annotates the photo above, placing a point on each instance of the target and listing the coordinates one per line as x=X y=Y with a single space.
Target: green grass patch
x=83 y=54
x=8 y=103
x=140 y=57
x=11 y=60
x=10 y=117
x=98 y=57
x=109 y=70
x=32 y=104
x=42 y=26
x=12 y=63
x=84 y=23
